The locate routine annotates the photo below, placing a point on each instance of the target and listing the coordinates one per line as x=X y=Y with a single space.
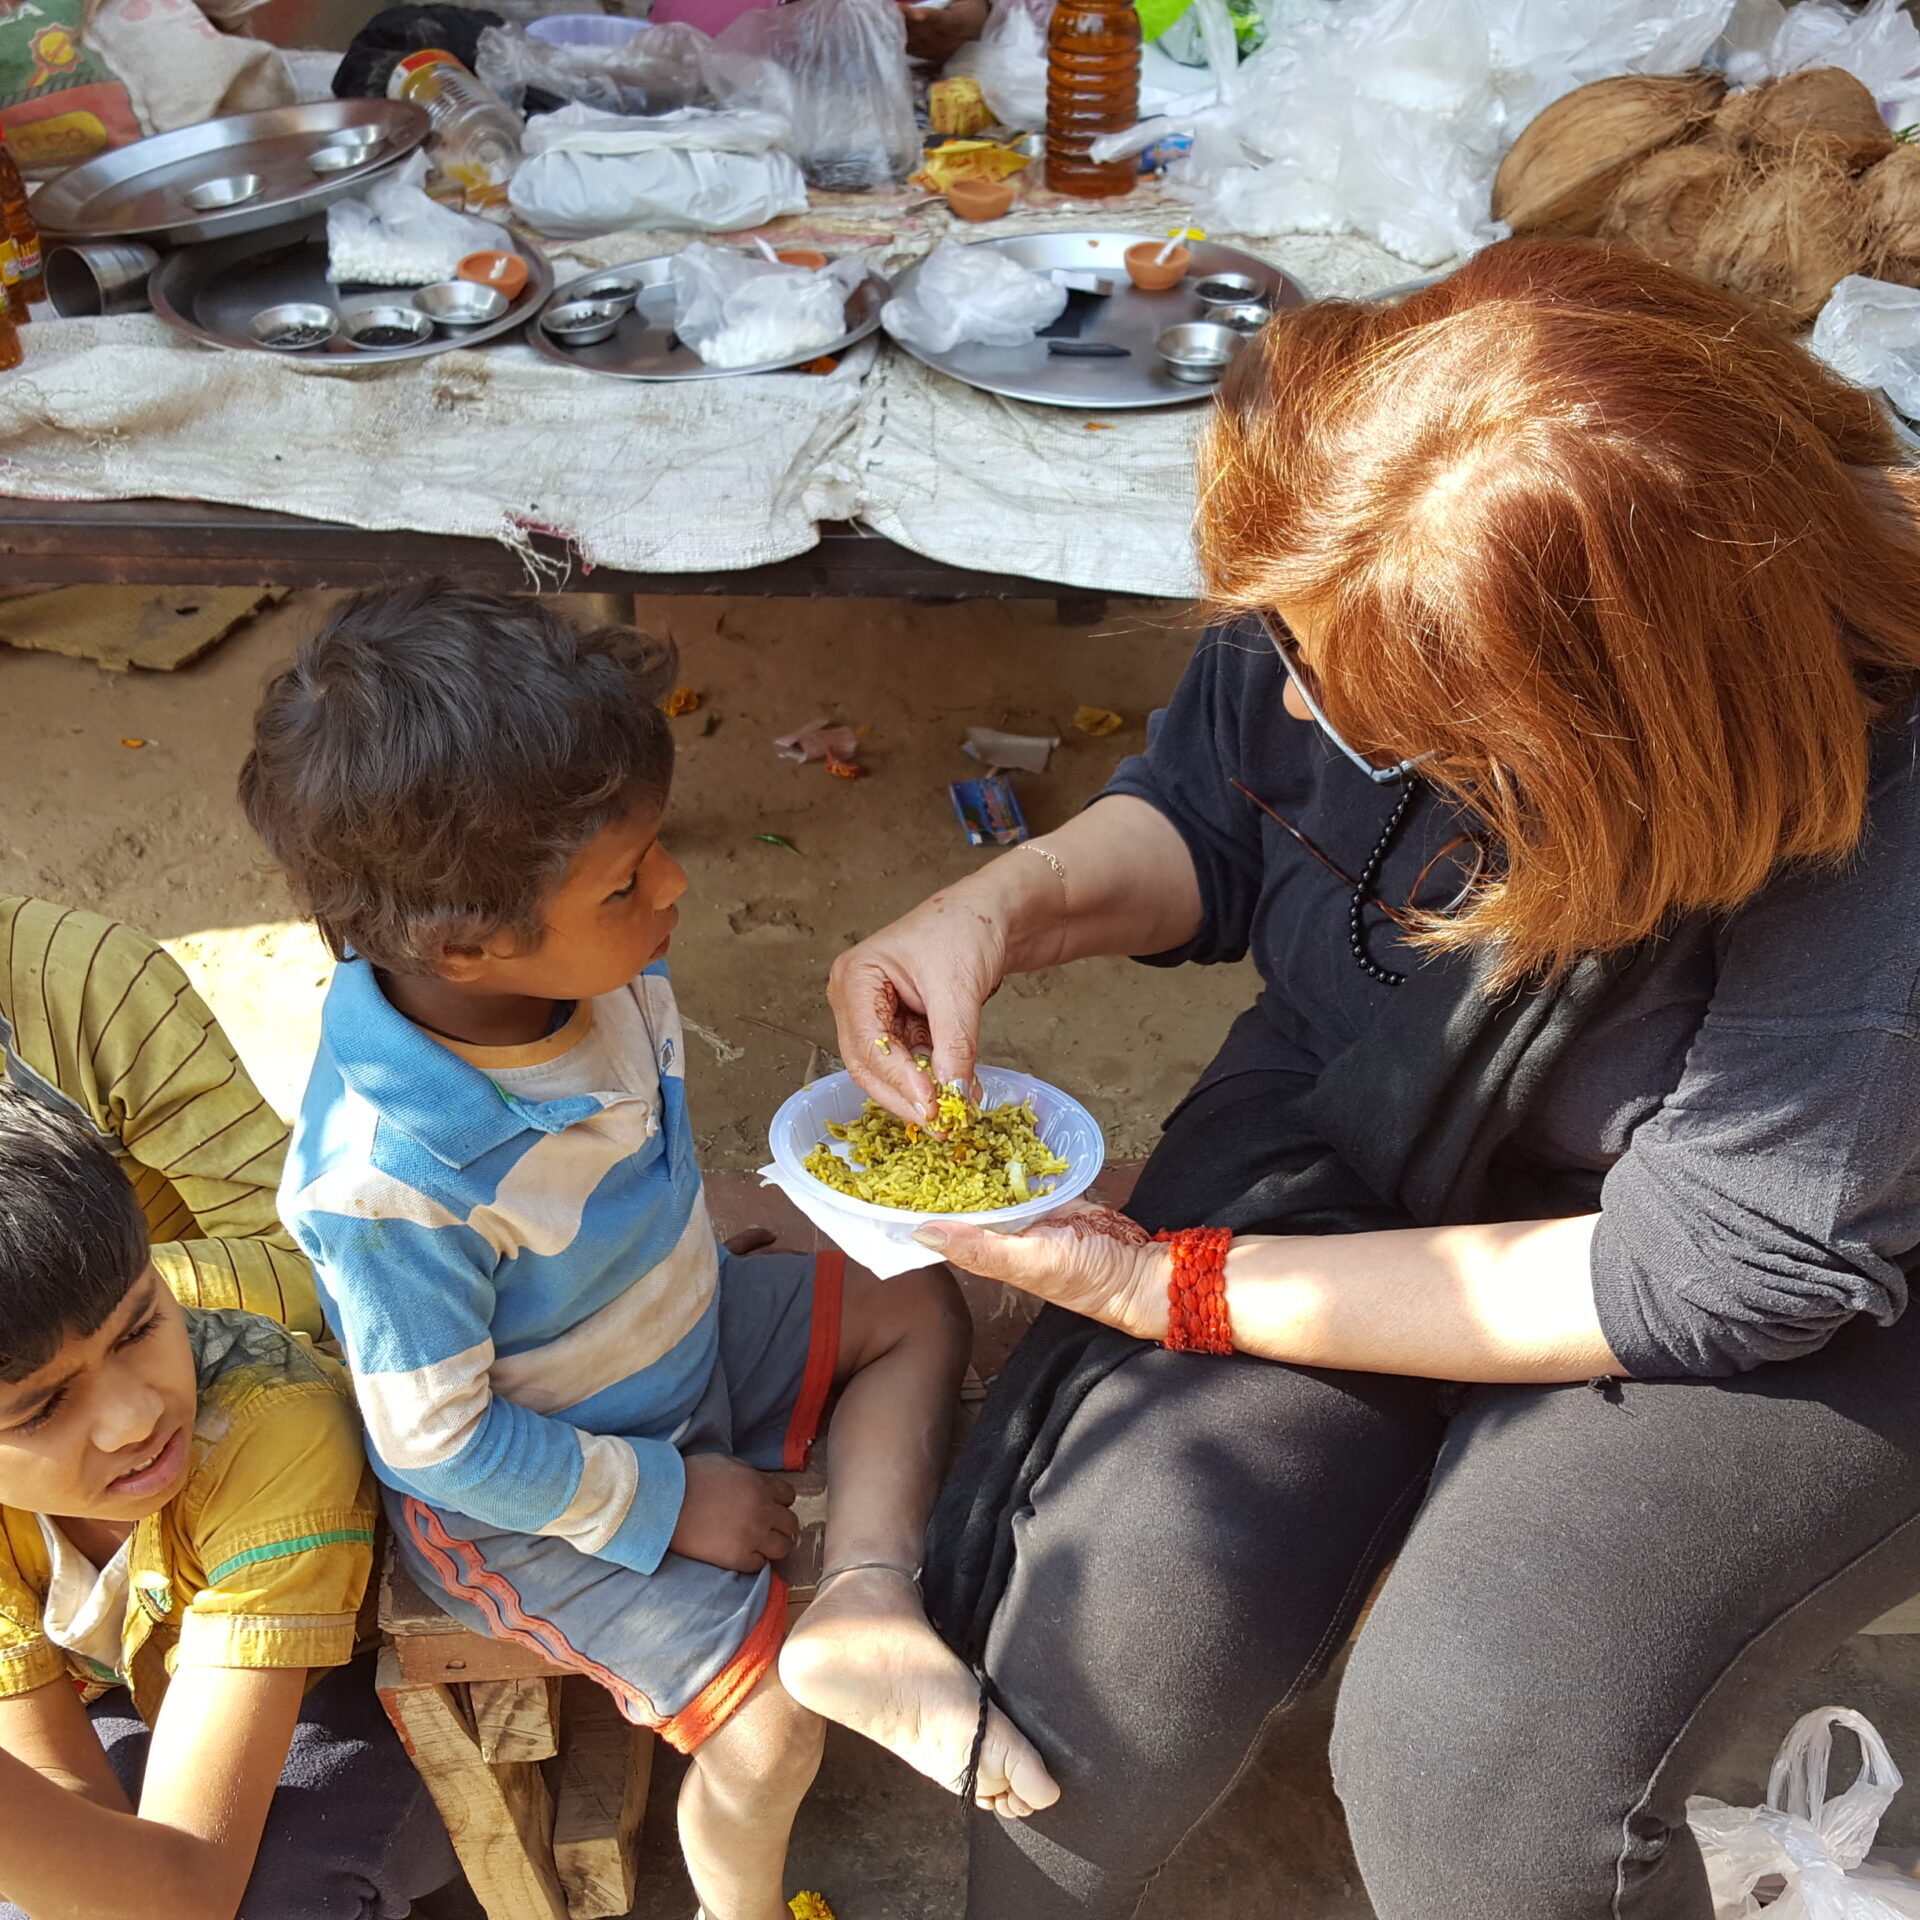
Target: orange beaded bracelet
x=1197 y=1291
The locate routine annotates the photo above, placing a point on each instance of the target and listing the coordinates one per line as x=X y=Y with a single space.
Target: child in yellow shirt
x=186 y=1536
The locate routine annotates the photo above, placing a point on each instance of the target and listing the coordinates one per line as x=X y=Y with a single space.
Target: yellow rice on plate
x=985 y=1162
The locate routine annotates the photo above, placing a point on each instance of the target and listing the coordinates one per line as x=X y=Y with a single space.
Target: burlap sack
x=178 y=68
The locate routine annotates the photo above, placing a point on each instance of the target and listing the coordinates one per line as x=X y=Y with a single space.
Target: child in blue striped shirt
x=579 y=1407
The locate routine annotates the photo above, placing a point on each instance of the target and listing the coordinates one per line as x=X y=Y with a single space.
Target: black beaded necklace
x=1363 y=887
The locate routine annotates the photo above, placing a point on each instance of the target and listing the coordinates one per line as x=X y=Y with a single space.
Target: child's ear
x=462 y=965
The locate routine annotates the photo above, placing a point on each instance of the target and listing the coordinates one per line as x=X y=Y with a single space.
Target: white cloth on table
x=496 y=443
x=684 y=477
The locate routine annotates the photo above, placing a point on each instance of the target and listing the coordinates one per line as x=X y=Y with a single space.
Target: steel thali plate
x=139 y=192
x=1126 y=318
x=645 y=346
x=212 y=293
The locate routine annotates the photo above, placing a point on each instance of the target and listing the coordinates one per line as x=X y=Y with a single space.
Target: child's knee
x=923 y=1310
x=771 y=1746
x=931 y=1303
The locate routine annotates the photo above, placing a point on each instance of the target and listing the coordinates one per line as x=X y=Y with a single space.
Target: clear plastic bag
x=975 y=295
x=1878 y=44
x=1869 y=332
x=1818 y=1846
x=396 y=236
x=853 y=124
x=1389 y=117
x=736 y=311
x=659 y=71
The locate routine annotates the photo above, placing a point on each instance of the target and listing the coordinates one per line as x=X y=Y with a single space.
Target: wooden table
x=193 y=543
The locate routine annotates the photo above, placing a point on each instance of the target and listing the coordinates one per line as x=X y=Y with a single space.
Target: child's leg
x=863 y=1654
x=738 y=1800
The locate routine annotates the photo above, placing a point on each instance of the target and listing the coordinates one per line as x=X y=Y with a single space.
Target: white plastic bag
x=1879 y=45
x=853 y=124
x=712 y=171
x=1816 y=1845
x=395 y=235
x=972 y=294
x=1389 y=117
x=736 y=311
x=1010 y=62
x=1869 y=332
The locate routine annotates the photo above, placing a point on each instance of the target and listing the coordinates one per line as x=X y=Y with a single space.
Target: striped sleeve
x=414 y=1301
x=110 y=1021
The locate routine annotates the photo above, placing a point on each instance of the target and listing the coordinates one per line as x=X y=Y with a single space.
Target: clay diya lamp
x=1152 y=274
x=809 y=257
x=506 y=272
x=980 y=199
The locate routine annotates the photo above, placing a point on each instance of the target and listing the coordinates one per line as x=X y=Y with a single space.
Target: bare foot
x=863 y=1655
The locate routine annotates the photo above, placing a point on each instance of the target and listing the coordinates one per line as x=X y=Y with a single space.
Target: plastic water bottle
x=1093 y=87
x=476 y=135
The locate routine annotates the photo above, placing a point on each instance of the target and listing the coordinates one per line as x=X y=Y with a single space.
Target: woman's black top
x=1755 y=1105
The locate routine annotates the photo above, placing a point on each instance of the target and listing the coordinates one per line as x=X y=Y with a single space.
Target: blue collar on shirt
x=424 y=1089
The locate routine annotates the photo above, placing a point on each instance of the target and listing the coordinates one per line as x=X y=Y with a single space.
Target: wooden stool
x=541 y=1780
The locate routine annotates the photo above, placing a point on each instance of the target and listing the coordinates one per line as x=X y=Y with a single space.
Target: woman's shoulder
x=1894 y=789
x=1830 y=942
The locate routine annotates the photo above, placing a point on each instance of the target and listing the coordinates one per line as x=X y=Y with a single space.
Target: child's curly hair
x=434 y=758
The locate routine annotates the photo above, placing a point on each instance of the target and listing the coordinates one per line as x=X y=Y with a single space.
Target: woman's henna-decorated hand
x=1087 y=1258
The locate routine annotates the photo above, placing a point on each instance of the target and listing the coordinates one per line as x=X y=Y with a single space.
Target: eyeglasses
x=1472 y=857
x=1308 y=689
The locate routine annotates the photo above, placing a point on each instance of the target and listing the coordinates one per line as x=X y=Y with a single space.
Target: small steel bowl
x=583 y=323
x=386 y=329
x=1244 y=319
x=1230 y=290
x=338 y=159
x=460 y=303
x=600 y=290
x=356 y=137
x=294 y=327
x=1198 y=351
x=228 y=191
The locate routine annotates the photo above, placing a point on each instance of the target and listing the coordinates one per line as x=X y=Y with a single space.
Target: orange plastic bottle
x=11 y=351
x=32 y=281
x=1093 y=87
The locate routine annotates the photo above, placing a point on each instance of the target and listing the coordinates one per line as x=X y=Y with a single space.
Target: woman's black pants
x=1591 y=1589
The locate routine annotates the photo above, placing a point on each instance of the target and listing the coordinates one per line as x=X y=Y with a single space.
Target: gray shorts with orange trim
x=681 y=1647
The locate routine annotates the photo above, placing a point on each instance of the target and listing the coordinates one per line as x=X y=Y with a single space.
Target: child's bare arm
x=48 y=1730
x=215 y=1761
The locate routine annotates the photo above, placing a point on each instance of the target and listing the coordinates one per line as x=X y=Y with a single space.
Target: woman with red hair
x=1545 y=1229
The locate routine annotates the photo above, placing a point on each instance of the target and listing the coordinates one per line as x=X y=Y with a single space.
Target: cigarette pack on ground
x=989 y=811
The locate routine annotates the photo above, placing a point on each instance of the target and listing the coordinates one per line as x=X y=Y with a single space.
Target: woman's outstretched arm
x=1509 y=1302
x=1116 y=879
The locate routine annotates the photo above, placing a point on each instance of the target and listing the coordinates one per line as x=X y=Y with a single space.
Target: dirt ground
x=151 y=833
x=119 y=798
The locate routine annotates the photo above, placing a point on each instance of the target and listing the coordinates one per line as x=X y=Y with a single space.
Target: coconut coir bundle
x=1775 y=193
x=1785 y=235
x=1824 y=106
x=1663 y=205
x=1890 y=209
x=1559 y=175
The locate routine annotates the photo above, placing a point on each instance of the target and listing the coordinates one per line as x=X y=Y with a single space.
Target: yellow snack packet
x=958 y=106
x=966 y=160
